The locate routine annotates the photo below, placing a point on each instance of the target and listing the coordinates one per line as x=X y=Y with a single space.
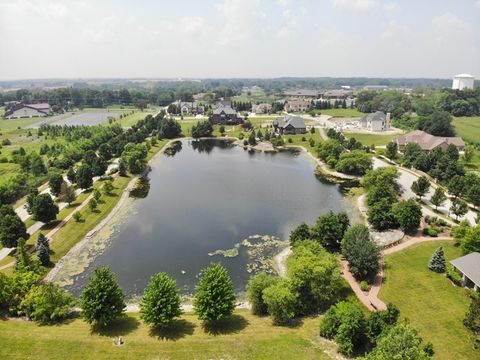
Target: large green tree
x=255 y=287
x=421 y=186
x=215 y=297
x=11 y=227
x=329 y=230
x=281 y=302
x=44 y=208
x=84 y=176
x=438 y=197
x=408 y=214
x=102 y=300
x=135 y=157
x=55 y=182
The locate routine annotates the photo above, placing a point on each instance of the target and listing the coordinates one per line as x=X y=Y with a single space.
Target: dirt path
x=370 y=299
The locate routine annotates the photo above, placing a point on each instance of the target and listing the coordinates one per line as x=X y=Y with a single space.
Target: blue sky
x=239 y=38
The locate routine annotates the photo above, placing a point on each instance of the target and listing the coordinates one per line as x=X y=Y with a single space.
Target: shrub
x=364 y=286
x=160 y=302
x=241 y=136
x=281 y=301
x=301 y=232
x=290 y=140
x=430 y=232
x=454 y=276
x=437 y=261
x=255 y=287
x=77 y=216
x=304 y=138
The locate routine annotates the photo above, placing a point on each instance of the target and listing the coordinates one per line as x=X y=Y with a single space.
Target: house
x=28 y=110
x=262 y=108
x=301 y=94
x=429 y=142
x=377 y=121
x=290 y=124
x=337 y=94
x=469 y=267
x=191 y=108
x=297 y=105
x=224 y=114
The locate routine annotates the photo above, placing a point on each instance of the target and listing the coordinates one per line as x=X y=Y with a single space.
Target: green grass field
x=428 y=300
x=342 y=112
x=243 y=337
x=468 y=128
x=371 y=139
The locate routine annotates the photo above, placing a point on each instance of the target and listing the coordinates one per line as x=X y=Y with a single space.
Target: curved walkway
x=370 y=299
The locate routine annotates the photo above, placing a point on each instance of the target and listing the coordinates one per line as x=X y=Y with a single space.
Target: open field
x=468 y=128
x=244 y=337
x=342 y=112
x=429 y=300
x=371 y=139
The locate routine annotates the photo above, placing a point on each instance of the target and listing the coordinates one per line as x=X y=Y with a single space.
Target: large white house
x=377 y=121
x=28 y=111
x=462 y=81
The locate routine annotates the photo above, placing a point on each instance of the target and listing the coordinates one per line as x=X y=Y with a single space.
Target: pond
x=211 y=201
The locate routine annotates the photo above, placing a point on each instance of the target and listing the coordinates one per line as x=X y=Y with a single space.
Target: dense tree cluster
x=467 y=236
x=12 y=227
x=202 y=129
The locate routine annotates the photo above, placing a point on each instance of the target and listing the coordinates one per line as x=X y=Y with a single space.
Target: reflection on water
x=202 y=202
x=174 y=148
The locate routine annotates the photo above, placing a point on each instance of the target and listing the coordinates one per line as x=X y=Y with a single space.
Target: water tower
x=462 y=81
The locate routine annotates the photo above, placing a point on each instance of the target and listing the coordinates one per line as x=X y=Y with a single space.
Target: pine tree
x=122 y=169
x=42 y=240
x=23 y=260
x=437 y=261
x=43 y=254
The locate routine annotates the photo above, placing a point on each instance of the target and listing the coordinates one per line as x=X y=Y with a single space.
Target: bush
x=160 y=302
x=290 y=140
x=241 y=136
x=364 y=286
x=281 y=301
x=304 y=138
x=215 y=297
x=255 y=287
x=454 y=276
x=430 y=232
x=77 y=216
x=47 y=303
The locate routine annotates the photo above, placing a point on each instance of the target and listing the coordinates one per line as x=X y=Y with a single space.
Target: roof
x=374 y=117
x=227 y=109
x=427 y=141
x=469 y=265
x=301 y=92
x=464 y=76
x=299 y=102
x=41 y=106
x=296 y=121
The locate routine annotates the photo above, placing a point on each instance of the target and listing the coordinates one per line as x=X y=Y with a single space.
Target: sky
x=238 y=38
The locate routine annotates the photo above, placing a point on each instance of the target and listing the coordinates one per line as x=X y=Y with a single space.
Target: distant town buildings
x=224 y=114
x=301 y=94
x=289 y=124
x=28 y=111
x=462 y=81
x=377 y=121
x=297 y=105
x=262 y=108
x=429 y=142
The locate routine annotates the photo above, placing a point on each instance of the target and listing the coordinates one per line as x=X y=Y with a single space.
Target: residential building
x=28 y=111
x=262 y=108
x=301 y=94
x=377 y=121
x=337 y=94
x=297 y=105
x=224 y=114
x=469 y=267
x=289 y=124
x=463 y=81
x=191 y=108
x=429 y=142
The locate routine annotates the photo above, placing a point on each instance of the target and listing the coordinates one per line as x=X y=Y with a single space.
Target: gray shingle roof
x=469 y=265
x=296 y=121
x=226 y=109
x=374 y=117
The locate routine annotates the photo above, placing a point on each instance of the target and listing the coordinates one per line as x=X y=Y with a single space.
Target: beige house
x=376 y=122
x=262 y=108
x=28 y=111
x=297 y=105
x=429 y=142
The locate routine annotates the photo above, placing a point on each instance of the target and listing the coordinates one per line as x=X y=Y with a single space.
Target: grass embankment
x=371 y=139
x=245 y=337
x=342 y=112
x=469 y=129
x=429 y=300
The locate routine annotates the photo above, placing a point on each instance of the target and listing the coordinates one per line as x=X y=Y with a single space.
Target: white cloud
x=393 y=30
x=354 y=4
x=450 y=21
x=391 y=6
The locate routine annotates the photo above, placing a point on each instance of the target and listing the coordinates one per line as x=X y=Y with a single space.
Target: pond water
x=205 y=198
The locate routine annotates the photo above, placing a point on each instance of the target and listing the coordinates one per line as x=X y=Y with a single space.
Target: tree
x=251 y=138
x=160 y=302
x=468 y=153
x=356 y=162
x=169 y=128
x=439 y=123
x=92 y=204
x=215 y=297
x=102 y=299
x=23 y=261
x=329 y=229
x=135 y=157
x=281 y=302
x=471 y=240
x=43 y=255
x=255 y=287
x=456 y=186
x=108 y=188
x=421 y=186
x=11 y=227
x=122 y=168
x=99 y=166
x=392 y=150
x=202 y=129
x=400 y=342
x=437 y=261
x=47 y=303
x=459 y=207
x=222 y=129
x=380 y=321
x=345 y=323
x=84 y=176
x=42 y=240
x=44 y=208
x=472 y=318
x=71 y=174
x=360 y=252
x=438 y=197
x=473 y=194
x=55 y=182
x=15 y=288
x=314 y=275
x=408 y=214
x=67 y=193
x=77 y=216
x=380 y=214
x=301 y=232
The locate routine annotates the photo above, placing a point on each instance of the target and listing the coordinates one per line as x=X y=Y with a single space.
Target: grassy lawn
x=130 y=120
x=371 y=139
x=428 y=300
x=468 y=128
x=244 y=337
x=342 y=112
x=297 y=140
